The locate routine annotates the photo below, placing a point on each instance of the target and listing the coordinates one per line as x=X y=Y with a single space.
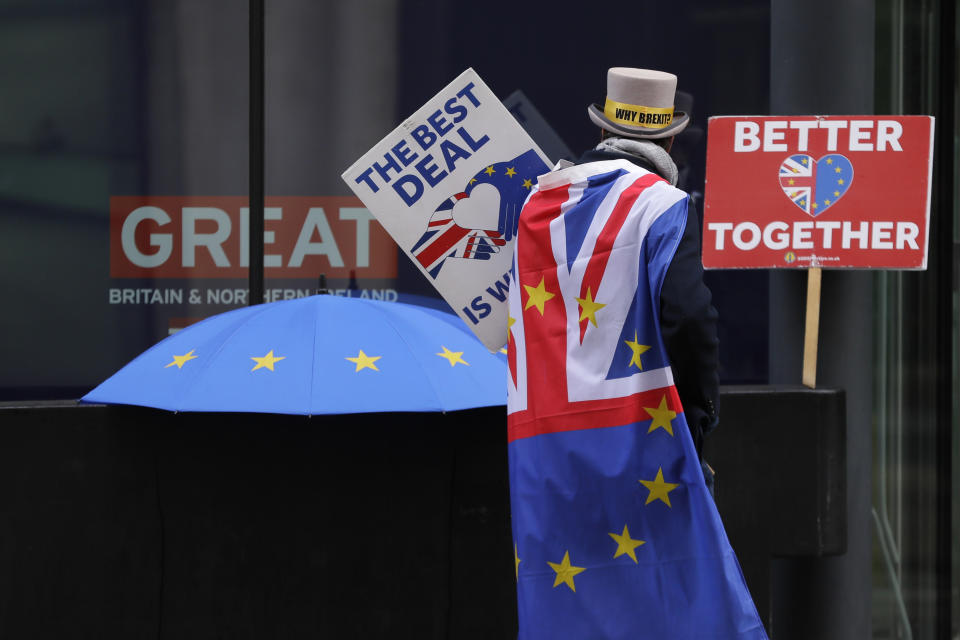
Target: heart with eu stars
x=815 y=185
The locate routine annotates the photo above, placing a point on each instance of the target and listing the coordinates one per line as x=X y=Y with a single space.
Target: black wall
x=133 y=523
x=121 y=522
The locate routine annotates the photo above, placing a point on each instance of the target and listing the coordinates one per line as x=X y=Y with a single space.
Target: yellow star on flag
x=837 y=169
x=472 y=180
x=538 y=296
x=516 y=562
x=527 y=183
x=815 y=205
x=589 y=308
x=791 y=181
x=840 y=181
x=804 y=161
x=511 y=172
x=637 y=349
x=490 y=170
x=659 y=490
x=826 y=203
x=565 y=572
x=363 y=361
x=836 y=194
x=661 y=416
x=453 y=357
x=829 y=160
x=267 y=361
x=626 y=544
x=181 y=360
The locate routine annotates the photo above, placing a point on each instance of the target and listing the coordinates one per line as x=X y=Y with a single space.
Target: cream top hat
x=639 y=104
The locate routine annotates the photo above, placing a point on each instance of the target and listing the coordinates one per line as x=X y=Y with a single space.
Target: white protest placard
x=448 y=185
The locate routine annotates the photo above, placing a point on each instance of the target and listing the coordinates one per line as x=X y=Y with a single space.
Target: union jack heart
x=473 y=224
x=815 y=185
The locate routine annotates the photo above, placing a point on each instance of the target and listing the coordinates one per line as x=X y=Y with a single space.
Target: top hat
x=639 y=104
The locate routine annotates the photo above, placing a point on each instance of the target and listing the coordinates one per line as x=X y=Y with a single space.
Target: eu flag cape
x=615 y=534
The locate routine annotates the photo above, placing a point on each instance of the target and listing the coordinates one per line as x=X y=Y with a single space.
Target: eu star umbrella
x=319 y=355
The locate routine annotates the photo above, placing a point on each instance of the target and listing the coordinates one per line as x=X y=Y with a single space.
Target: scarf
x=649 y=151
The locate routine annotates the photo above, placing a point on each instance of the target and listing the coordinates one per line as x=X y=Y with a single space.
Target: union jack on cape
x=615 y=533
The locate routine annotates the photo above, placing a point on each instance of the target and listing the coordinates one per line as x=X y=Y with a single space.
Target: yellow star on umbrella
x=589 y=308
x=267 y=361
x=363 y=361
x=661 y=416
x=454 y=357
x=626 y=544
x=181 y=360
x=538 y=296
x=659 y=490
x=638 y=349
x=565 y=572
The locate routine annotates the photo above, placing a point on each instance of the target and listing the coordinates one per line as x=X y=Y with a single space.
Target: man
x=688 y=322
x=612 y=354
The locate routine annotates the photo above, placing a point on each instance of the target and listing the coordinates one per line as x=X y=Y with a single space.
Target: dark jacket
x=688 y=321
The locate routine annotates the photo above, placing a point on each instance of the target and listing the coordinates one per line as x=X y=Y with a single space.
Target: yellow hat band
x=634 y=115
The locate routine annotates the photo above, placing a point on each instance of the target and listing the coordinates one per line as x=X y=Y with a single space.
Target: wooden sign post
x=812 y=328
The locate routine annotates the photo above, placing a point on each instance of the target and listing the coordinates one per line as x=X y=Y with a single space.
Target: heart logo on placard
x=480 y=210
x=815 y=186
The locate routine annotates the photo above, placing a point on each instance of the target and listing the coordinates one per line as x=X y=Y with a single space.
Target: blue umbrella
x=318 y=355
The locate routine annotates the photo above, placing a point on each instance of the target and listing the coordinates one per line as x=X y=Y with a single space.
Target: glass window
x=916 y=321
x=124 y=154
x=106 y=105
x=331 y=78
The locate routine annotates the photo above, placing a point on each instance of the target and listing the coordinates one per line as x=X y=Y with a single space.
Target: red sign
x=208 y=237
x=808 y=191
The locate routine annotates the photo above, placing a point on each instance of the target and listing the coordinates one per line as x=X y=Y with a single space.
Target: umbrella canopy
x=318 y=355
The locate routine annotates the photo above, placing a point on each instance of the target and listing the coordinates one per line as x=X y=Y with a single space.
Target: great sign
x=837 y=191
x=207 y=237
